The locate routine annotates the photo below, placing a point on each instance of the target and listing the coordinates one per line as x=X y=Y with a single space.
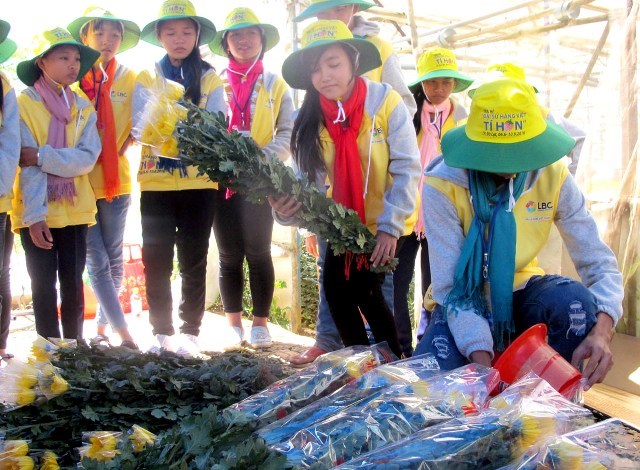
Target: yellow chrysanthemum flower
x=17 y=463
x=39 y=354
x=140 y=438
x=181 y=112
x=27 y=380
x=16 y=448
x=174 y=91
x=166 y=125
x=533 y=430
x=102 y=447
x=150 y=135
x=169 y=148
x=59 y=385
x=49 y=461
x=26 y=396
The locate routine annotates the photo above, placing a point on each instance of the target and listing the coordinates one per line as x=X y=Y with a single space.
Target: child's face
x=332 y=74
x=178 y=37
x=62 y=64
x=438 y=89
x=245 y=44
x=106 y=39
x=343 y=13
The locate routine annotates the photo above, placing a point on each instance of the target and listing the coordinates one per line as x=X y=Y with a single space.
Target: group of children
x=368 y=140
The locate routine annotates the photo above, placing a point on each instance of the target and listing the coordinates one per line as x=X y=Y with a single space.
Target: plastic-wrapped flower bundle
x=609 y=444
x=18 y=384
x=42 y=350
x=51 y=383
x=328 y=373
x=140 y=438
x=156 y=123
x=13 y=455
x=358 y=392
x=49 y=461
x=399 y=411
x=494 y=438
x=99 y=445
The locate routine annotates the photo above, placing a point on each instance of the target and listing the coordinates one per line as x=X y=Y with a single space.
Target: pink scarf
x=430 y=146
x=58 y=187
x=242 y=78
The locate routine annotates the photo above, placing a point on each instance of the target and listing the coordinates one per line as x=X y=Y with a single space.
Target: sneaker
x=307 y=357
x=235 y=338
x=260 y=337
x=166 y=342
x=188 y=345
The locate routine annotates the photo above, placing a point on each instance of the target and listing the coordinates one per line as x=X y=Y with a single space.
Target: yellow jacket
x=153 y=175
x=9 y=144
x=30 y=204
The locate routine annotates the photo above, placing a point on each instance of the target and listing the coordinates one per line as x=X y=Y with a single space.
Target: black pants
x=183 y=219
x=65 y=261
x=6 y=244
x=244 y=230
x=362 y=293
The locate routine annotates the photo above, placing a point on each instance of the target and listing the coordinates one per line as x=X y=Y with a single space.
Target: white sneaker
x=166 y=342
x=235 y=338
x=189 y=345
x=260 y=337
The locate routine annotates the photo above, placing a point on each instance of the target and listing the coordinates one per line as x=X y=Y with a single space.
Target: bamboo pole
x=588 y=70
x=414 y=30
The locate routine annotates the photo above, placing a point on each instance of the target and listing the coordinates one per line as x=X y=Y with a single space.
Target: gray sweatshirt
x=595 y=262
x=391 y=70
x=9 y=142
x=404 y=164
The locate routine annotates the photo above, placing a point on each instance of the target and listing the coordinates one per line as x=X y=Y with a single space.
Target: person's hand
x=597 y=348
x=384 y=250
x=285 y=205
x=41 y=236
x=28 y=156
x=481 y=357
x=311 y=245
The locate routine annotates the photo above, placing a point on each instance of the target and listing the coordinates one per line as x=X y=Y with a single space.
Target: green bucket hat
x=505 y=132
x=177 y=10
x=4 y=30
x=318 y=6
x=439 y=63
x=325 y=33
x=131 y=30
x=7 y=48
x=28 y=71
x=240 y=18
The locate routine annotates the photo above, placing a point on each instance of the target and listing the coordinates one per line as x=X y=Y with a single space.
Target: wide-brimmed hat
x=4 y=30
x=498 y=71
x=131 y=30
x=326 y=33
x=318 y=6
x=240 y=18
x=439 y=63
x=178 y=10
x=505 y=132
x=28 y=71
x=7 y=48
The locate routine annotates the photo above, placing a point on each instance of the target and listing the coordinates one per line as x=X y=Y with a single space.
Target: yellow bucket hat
x=439 y=63
x=28 y=71
x=498 y=71
x=131 y=30
x=177 y=10
x=325 y=33
x=240 y=18
x=505 y=132
x=317 y=6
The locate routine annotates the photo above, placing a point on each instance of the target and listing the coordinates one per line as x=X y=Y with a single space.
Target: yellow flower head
x=27 y=380
x=173 y=90
x=17 y=448
x=166 y=125
x=533 y=430
x=17 y=463
x=170 y=148
x=59 y=385
x=102 y=446
x=26 y=396
x=150 y=136
x=181 y=112
x=49 y=461
x=140 y=438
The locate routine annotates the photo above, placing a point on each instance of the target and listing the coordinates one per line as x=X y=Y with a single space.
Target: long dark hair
x=195 y=64
x=1 y=96
x=306 y=148
x=420 y=98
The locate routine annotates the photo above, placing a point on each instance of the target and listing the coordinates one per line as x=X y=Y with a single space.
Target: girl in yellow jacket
x=260 y=106
x=9 y=156
x=54 y=203
x=357 y=135
x=109 y=86
x=438 y=78
x=177 y=205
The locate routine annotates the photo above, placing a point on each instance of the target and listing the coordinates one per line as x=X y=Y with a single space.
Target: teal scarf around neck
x=490 y=259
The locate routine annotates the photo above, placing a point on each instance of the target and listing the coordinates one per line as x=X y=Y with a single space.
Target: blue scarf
x=488 y=260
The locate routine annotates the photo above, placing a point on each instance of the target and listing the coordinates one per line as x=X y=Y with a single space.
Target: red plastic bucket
x=531 y=353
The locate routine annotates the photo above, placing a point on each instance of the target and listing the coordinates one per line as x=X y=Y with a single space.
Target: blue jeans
x=104 y=258
x=565 y=305
x=327 y=336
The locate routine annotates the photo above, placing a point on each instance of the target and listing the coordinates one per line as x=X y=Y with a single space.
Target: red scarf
x=347 y=170
x=99 y=93
x=242 y=78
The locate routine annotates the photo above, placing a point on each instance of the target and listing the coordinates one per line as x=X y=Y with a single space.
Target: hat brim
x=459 y=151
x=462 y=81
x=7 y=49
x=316 y=8
x=131 y=30
x=28 y=73
x=207 y=29
x=271 y=34
x=296 y=74
x=4 y=30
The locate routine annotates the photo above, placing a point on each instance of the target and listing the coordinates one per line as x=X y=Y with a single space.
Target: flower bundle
x=140 y=438
x=99 y=445
x=13 y=455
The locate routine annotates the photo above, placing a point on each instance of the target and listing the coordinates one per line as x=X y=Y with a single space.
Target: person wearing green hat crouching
x=489 y=204
x=261 y=107
x=109 y=85
x=54 y=202
x=357 y=135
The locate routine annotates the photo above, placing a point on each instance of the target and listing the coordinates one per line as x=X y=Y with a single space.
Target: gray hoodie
x=404 y=165
x=595 y=262
x=9 y=142
x=391 y=70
